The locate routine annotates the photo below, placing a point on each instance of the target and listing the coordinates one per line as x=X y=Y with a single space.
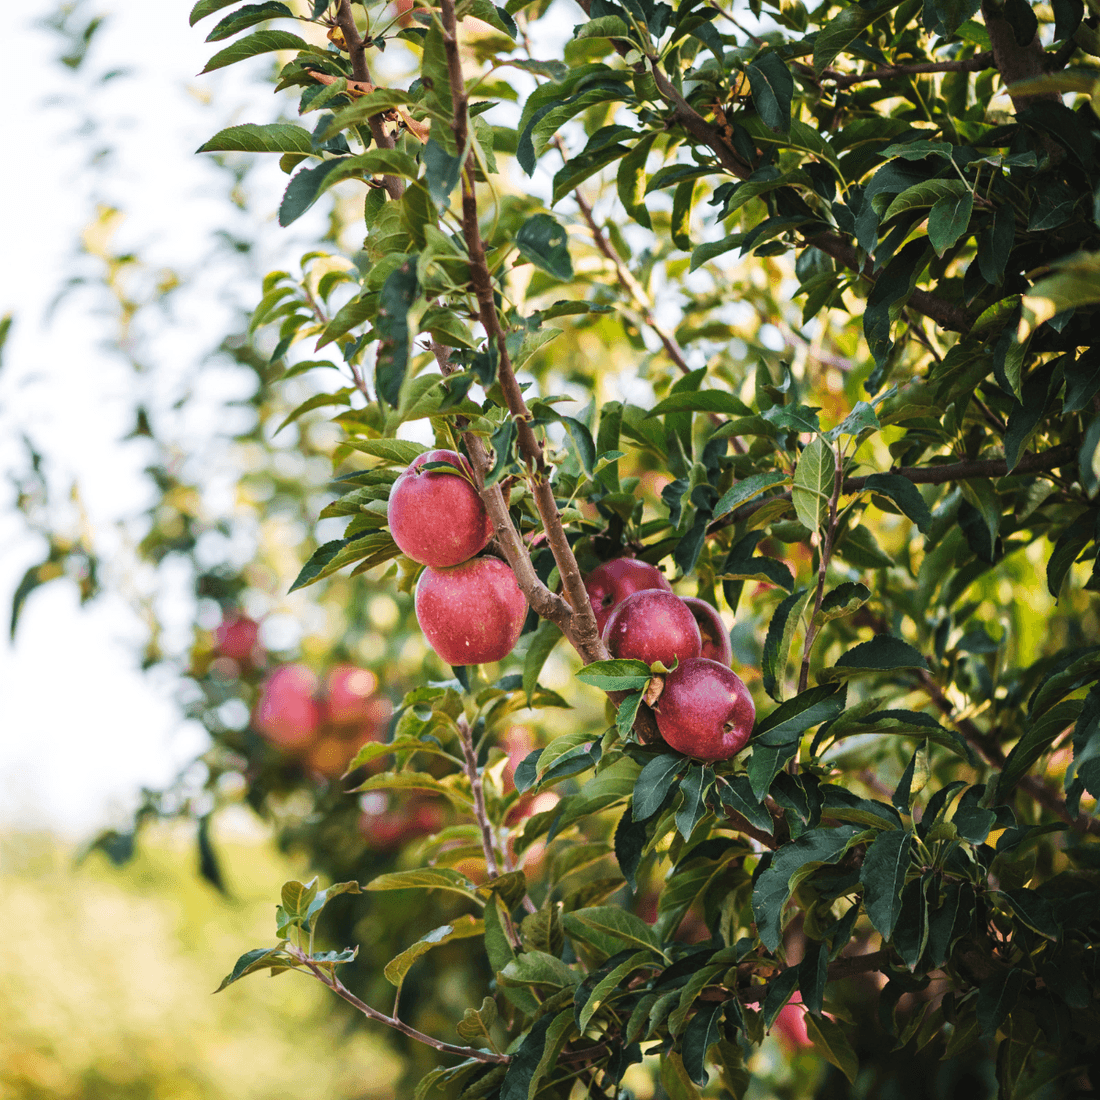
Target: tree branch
x=972 y=65
x=357 y=52
x=581 y=628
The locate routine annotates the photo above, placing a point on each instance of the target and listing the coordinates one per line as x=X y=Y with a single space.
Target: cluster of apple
x=322 y=725
x=471 y=610
x=702 y=707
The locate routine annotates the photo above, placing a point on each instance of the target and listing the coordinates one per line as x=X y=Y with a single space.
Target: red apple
x=790 y=1025
x=716 y=639
x=286 y=713
x=236 y=637
x=437 y=518
x=705 y=710
x=609 y=584
x=471 y=613
x=653 y=625
x=348 y=694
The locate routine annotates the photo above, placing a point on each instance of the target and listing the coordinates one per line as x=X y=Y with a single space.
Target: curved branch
x=972 y=65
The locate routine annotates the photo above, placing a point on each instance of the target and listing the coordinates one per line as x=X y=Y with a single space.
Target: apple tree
x=796 y=310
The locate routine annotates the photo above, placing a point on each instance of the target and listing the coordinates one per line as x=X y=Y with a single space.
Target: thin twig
x=338 y=987
x=970 y=65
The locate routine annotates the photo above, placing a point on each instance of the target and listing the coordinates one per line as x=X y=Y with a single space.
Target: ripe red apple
x=286 y=713
x=471 y=613
x=705 y=710
x=609 y=584
x=348 y=692
x=716 y=639
x=653 y=625
x=236 y=637
x=437 y=518
x=790 y=1025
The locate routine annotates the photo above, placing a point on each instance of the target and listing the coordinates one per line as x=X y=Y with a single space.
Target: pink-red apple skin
x=609 y=584
x=472 y=613
x=716 y=639
x=236 y=637
x=790 y=1025
x=287 y=714
x=437 y=518
x=348 y=694
x=705 y=710
x=653 y=625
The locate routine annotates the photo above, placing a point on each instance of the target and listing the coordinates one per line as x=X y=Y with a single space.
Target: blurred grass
x=106 y=980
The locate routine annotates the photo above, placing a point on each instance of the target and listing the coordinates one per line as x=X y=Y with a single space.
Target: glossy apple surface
x=287 y=713
x=471 y=613
x=437 y=518
x=609 y=584
x=653 y=625
x=236 y=637
x=716 y=639
x=705 y=710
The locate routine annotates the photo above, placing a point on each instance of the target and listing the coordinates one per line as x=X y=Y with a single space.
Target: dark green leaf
x=262 y=958
x=777 y=644
x=654 y=783
x=246 y=17
x=277 y=137
x=832 y=1043
x=745 y=489
x=692 y=807
x=543 y=242
x=881 y=654
x=255 y=44
x=399 y=292
x=997 y=997
x=618 y=675
x=883 y=875
x=772 y=88
x=796 y=716
x=905 y=495
x=525 y=1061
x=843 y=600
x=701 y=1033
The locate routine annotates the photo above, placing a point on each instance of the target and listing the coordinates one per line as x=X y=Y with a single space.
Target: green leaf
x=609 y=983
x=542 y=241
x=814 y=480
x=399 y=293
x=777 y=644
x=699 y=1036
x=905 y=495
x=860 y=547
x=617 y=675
x=736 y=792
x=539 y=968
x=416 y=781
x=246 y=17
x=547 y=635
x=476 y=1024
x=518 y=1082
x=789 y=866
x=997 y=997
x=680 y=225
x=831 y=1042
x=692 y=807
x=927 y=193
x=882 y=653
x=394 y=451
x=949 y=220
x=1031 y=908
x=653 y=784
x=839 y=33
x=317 y=401
x=276 y=137
x=603 y=921
x=772 y=88
x=1038 y=737
x=883 y=875
x=630 y=181
x=794 y=717
x=710 y=401
x=746 y=489
x=426 y=878
x=462 y=928
x=262 y=958
x=843 y=600
x=206 y=7
x=255 y=44
x=626 y=713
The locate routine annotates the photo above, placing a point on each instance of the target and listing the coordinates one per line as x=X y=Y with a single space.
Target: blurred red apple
x=716 y=639
x=790 y=1025
x=653 y=625
x=609 y=584
x=705 y=710
x=471 y=613
x=287 y=713
x=348 y=692
x=438 y=518
x=236 y=637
